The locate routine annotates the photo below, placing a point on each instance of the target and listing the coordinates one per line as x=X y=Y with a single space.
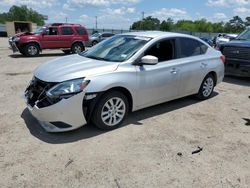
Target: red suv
x=68 y=37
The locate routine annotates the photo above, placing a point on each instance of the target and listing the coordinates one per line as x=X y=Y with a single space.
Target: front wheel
x=207 y=87
x=31 y=50
x=110 y=111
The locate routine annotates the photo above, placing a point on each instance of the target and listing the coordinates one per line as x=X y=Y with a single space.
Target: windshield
x=117 y=49
x=245 y=35
x=39 y=30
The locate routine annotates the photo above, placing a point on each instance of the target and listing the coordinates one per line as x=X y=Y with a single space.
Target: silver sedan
x=125 y=73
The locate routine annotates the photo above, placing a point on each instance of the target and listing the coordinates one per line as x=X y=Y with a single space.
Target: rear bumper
x=65 y=115
x=236 y=67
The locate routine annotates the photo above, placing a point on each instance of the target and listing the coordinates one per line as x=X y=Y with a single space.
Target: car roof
x=157 y=34
x=63 y=25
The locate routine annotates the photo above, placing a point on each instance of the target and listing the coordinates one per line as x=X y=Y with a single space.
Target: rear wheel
x=32 y=50
x=207 y=87
x=77 y=48
x=110 y=111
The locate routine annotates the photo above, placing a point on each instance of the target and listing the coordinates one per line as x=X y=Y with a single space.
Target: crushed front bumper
x=64 y=115
x=13 y=45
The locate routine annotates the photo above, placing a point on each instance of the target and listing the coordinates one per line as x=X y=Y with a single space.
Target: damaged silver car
x=125 y=73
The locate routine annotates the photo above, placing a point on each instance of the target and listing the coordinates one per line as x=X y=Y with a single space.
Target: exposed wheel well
x=78 y=42
x=126 y=93
x=33 y=42
x=91 y=106
x=214 y=75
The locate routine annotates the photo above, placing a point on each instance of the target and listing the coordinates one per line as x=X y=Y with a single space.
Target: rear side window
x=67 y=31
x=51 y=31
x=81 y=31
x=191 y=47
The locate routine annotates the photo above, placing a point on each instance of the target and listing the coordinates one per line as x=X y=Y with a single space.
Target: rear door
x=193 y=64
x=67 y=34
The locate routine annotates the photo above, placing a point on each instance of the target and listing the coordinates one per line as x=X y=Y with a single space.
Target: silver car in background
x=98 y=37
x=125 y=73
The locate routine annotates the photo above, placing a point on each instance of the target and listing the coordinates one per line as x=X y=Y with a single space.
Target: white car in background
x=125 y=73
x=224 y=38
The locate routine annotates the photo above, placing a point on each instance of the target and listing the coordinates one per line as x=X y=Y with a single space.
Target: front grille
x=237 y=52
x=36 y=93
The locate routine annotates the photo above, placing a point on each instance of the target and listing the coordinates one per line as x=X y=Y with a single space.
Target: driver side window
x=51 y=31
x=163 y=50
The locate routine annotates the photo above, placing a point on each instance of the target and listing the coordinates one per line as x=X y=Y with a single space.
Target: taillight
x=223 y=58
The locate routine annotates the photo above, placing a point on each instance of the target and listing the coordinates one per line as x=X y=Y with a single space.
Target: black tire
x=66 y=51
x=94 y=43
x=207 y=87
x=22 y=51
x=101 y=107
x=77 y=48
x=31 y=50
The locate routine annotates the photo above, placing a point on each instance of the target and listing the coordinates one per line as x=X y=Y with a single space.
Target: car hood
x=72 y=67
x=23 y=34
x=238 y=43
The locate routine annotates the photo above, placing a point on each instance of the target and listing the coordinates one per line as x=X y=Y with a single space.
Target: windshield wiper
x=97 y=58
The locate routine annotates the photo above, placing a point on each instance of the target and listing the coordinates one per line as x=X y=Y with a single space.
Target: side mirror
x=149 y=60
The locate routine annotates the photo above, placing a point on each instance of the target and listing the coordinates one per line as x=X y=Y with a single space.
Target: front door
x=159 y=83
x=50 y=39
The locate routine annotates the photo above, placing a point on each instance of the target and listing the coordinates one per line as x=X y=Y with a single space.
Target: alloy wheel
x=208 y=87
x=32 y=50
x=113 y=111
x=77 y=49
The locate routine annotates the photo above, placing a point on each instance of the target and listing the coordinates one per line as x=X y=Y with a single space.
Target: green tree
x=185 y=25
x=247 y=22
x=167 y=25
x=148 y=23
x=235 y=25
x=22 y=13
x=218 y=27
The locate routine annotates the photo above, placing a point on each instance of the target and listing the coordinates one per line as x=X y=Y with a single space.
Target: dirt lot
x=153 y=148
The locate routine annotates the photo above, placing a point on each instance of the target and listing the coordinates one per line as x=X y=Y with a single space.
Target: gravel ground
x=153 y=149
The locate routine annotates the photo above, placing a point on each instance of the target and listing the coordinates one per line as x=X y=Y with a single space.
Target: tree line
x=22 y=13
x=234 y=25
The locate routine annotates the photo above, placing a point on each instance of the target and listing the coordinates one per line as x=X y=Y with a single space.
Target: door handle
x=203 y=65
x=174 y=71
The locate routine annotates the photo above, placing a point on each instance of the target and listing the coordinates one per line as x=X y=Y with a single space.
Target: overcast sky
x=120 y=14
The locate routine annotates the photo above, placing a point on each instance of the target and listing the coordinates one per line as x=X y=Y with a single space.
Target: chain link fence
x=118 y=31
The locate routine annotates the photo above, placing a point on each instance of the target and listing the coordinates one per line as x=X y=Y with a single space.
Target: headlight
x=67 y=88
x=16 y=39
